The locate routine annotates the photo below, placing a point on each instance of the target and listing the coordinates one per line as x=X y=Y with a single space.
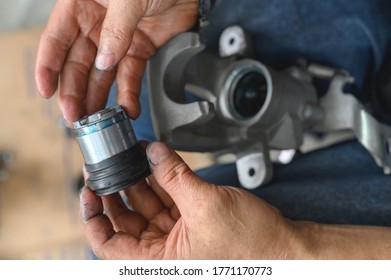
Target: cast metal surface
x=234 y=41
x=345 y=112
x=104 y=134
x=201 y=101
x=214 y=123
x=113 y=158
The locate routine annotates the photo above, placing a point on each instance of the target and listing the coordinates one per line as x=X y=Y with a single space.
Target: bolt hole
x=231 y=41
x=251 y=172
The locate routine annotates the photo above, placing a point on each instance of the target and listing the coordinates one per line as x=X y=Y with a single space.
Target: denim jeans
x=340 y=184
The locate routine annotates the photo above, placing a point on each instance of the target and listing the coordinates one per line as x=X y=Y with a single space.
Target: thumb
x=118 y=27
x=176 y=178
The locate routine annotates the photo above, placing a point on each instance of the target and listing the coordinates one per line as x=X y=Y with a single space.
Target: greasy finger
x=118 y=27
x=143 y=200
x=74 y=78
x=128 y=80
x=188 y=191
x=130 y=73
x=121 y=217
x=165 y=198
x=97 y=226
x=56 y=40
x=161 y=193
x=99 y=84
x=105 y=242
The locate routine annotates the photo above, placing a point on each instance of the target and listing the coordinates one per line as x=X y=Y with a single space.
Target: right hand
x=180 y=216
x=118 y=35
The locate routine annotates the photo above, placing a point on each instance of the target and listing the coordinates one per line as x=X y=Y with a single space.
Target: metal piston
x=113 y=158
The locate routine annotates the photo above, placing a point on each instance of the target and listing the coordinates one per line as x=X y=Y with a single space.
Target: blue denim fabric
x=353 y=34
x=341 y=184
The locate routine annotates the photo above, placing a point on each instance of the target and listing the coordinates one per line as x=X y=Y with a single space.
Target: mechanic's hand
x=127 y=33
x=180 y=216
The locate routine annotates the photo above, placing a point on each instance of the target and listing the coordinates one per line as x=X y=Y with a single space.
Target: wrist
x=305 y=238
x=324 y=241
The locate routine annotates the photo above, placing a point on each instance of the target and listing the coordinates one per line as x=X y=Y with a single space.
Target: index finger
x=59 y=35
x=118 y=27
x=100 y=233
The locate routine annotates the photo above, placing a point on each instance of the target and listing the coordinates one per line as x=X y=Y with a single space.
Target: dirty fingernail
x=157 y=151
x=105 y=60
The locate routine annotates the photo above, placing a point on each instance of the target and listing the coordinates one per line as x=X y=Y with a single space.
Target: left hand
x=180 y=216
x=89 y=43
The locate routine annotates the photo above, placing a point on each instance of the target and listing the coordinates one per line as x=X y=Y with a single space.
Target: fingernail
x=156 y=152
x=104 y=60
x=104 y=3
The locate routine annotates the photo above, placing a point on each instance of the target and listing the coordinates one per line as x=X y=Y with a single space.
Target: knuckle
x=177 y=175
x=63 y=44
x=116 y=34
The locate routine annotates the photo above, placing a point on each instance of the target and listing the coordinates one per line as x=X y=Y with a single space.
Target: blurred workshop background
x=39 y=163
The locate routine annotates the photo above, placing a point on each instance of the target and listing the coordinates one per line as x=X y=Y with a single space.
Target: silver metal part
x=252 y=170
x=104 y=134
x=215 y=123
x=233 y=41
x=286 y=156
x=239 y=70
x=113 y=158
x=345 y=112
x=247 y=109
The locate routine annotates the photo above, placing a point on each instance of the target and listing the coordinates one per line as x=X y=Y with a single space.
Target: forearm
x=321 y=241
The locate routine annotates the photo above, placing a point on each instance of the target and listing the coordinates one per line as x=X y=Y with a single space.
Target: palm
x=154 y=235
x=160 y=239
x=168 y=18
x=155 y=230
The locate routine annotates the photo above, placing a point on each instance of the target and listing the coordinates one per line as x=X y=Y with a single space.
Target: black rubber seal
x=118 y=172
